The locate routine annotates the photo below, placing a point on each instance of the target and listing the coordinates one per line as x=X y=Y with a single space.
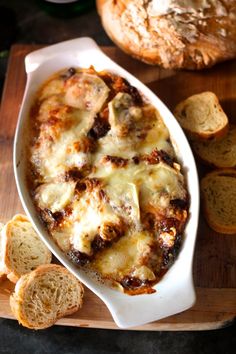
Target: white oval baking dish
x=175 y=292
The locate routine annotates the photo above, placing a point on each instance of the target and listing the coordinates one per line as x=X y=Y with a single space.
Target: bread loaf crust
x=194 y=35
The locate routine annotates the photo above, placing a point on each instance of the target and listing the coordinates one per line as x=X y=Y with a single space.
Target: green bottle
x=66 y=8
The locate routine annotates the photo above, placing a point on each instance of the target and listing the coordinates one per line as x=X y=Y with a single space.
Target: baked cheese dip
x=105 y=178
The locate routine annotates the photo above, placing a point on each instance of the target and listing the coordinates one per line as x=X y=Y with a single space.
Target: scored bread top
x=172 y=33
x=45 y=295
x=221 y=154
x=219 y=199
x=23 y=250
x=202 y=116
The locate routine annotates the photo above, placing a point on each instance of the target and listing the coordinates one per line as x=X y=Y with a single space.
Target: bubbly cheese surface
x=106 y=179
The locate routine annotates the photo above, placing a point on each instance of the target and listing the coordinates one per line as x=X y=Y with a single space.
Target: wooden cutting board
x=215 y=255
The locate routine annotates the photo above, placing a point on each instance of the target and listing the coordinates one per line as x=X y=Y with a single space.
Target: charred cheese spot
x=115 y=161
x=99 y=129
x=109 y=231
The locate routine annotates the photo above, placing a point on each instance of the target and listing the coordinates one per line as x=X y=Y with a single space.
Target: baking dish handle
x=72 y=47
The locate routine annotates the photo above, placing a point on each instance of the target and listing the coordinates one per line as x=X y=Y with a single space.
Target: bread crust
x=18 y=299
x=208 y=212
x=2 y=266
x=20 y=217
x=2 y=271
x=187 y=36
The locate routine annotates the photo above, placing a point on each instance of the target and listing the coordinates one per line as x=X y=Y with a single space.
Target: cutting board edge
x=222 y=319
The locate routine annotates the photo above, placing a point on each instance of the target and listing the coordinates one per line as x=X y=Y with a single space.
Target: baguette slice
x=45 y=295
x=219 y=200
x=23 y=250
x=201 y=116
x=2 y=272
x=20 y=217
x=221 y=153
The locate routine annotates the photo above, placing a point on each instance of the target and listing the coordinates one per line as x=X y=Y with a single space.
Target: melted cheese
x=49 y=104
x=120 y=195
x=143 y=273
x=89 y=213
x=85 y=231
x=57 y=156
x=54 y=196
x=162 y=183
x=157 y=136
x=123 y=114
x=62 y=236
x=156 y=184
x=124 y=256
x=86 y=92
x=52 y=88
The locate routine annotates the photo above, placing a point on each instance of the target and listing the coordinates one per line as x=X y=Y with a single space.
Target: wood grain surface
x=215 y=255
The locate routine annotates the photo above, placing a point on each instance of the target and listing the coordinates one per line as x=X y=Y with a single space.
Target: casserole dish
x=175 y=292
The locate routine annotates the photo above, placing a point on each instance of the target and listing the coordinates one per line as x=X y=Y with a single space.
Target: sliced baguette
x=45 y=295
x=23 y=250
x=2 y=272
x=221 y=154
x=219 y=200
x=20 y=217
x=202 y=116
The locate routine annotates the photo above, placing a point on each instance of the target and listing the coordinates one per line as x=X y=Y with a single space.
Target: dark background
x=29 y=21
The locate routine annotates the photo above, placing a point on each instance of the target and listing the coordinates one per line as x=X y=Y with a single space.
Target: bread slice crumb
x=221 y=154
x=22 y=248
x=202 y=116
x=219 y=200
x=44 y=295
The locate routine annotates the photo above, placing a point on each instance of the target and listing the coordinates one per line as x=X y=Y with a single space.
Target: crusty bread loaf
x=23 y=250
x=221 y=153
x=45 y=295
x=219 y=200
x=171 y=33
x=202 y=116
x=2 y=272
